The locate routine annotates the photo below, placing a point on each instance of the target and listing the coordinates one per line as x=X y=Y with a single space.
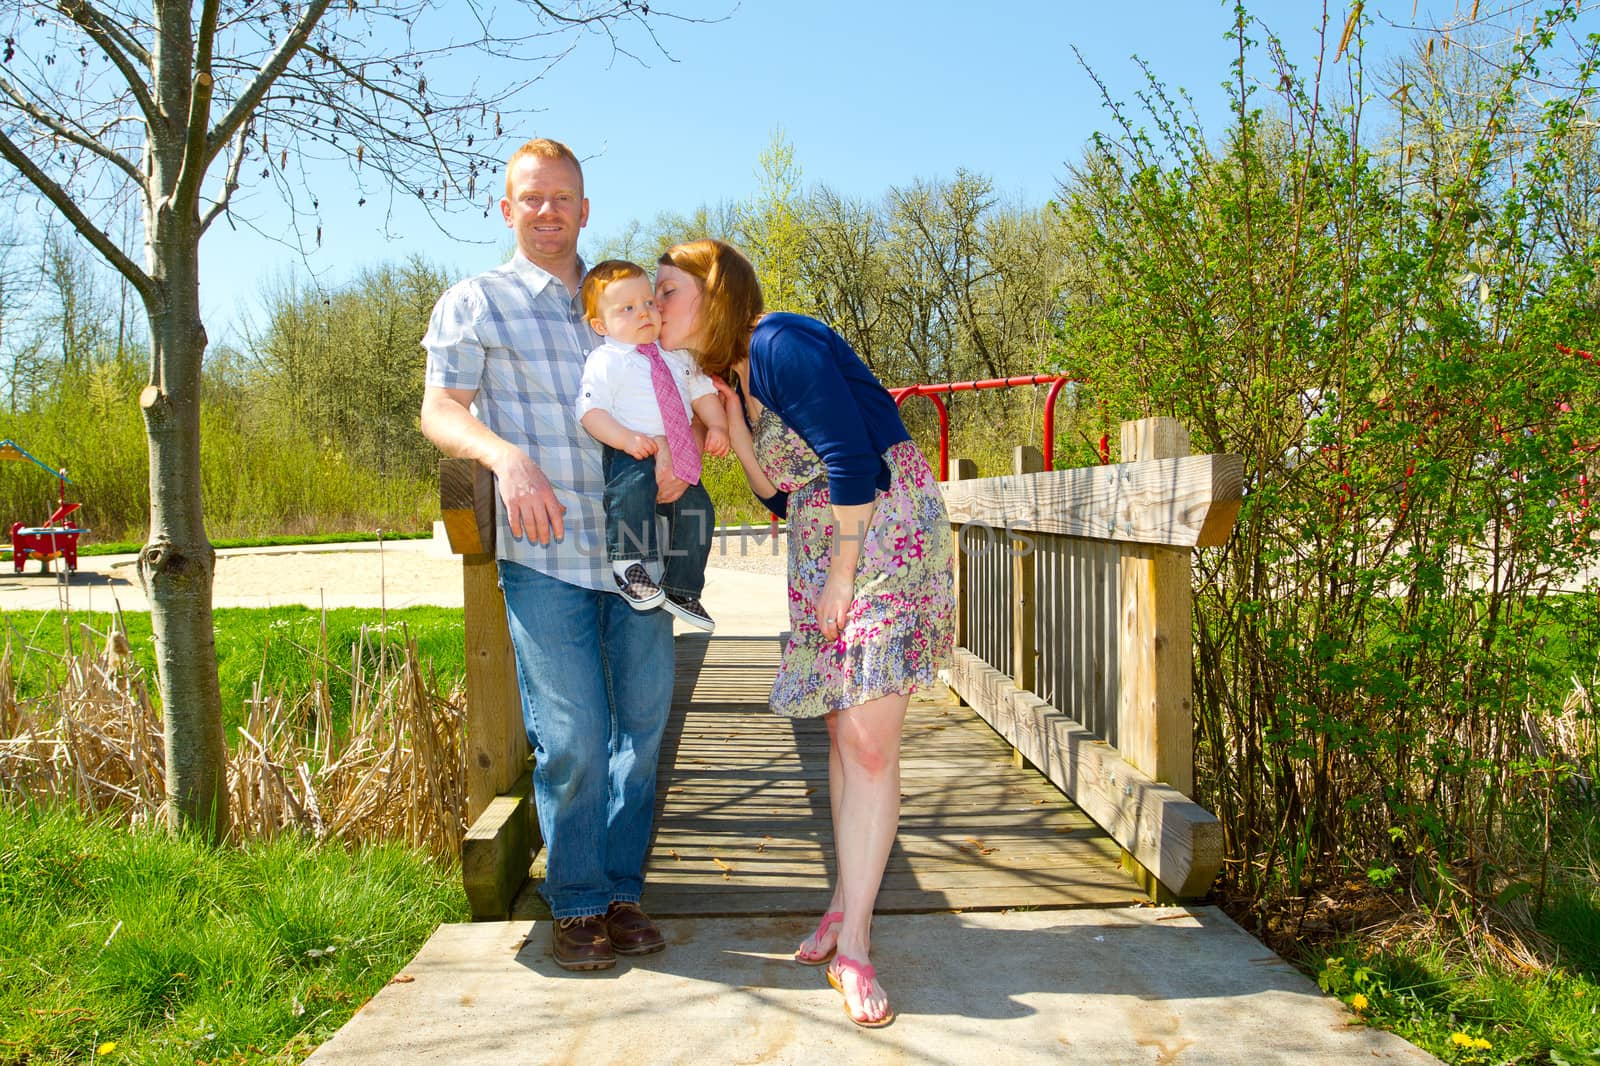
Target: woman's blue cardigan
x=819 y=387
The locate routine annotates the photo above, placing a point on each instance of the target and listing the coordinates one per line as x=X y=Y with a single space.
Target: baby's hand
x=716 y=441
x=641 y=446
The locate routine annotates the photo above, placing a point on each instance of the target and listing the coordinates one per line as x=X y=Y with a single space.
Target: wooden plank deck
x=742 y=816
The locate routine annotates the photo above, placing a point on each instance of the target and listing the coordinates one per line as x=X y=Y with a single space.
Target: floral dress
x=901 y=626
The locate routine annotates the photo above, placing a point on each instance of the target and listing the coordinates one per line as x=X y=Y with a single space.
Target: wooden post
x=960 y=470
x=497 y=746
x=1155 y=725
x=1025 y=459
x=1154 y=438
x=503 y=834
x=1024 y=651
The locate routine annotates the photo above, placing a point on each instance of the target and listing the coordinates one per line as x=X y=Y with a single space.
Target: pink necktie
x=680 y=438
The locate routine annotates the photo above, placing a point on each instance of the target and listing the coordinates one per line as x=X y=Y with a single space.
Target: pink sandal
x=829 y=920
x=865 y=975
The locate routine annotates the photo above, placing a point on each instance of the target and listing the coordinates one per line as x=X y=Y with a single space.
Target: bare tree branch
x=208 y=34
x=63 y=202
x=230 y=182
x=265 y=76
x=186 y=194
x=114 y=30
x=67 y=133
x=117 y=45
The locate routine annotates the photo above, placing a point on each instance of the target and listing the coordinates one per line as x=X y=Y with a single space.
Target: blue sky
x=871 y=94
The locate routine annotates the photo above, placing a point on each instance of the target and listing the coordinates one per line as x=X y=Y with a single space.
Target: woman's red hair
x=730 y=300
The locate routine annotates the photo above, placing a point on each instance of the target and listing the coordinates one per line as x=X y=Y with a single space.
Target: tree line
x=311 y=417
x=935 y=280
x=309 y=422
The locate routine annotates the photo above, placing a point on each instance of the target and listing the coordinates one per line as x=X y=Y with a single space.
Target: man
x=505 y=356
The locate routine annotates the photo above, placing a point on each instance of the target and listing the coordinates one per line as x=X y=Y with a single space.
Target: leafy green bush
x=1380 y=325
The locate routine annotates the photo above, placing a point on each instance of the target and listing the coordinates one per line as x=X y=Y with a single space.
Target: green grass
x=179 y=953
x=1453 y=1006
x=281 y=646
x=1568 y=628
x=132 y=547
x=731 y=497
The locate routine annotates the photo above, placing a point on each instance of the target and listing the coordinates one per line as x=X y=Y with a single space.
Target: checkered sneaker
x=690 y=610
x=639 y=588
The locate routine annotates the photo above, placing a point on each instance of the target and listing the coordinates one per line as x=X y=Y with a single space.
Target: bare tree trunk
x=178 y=561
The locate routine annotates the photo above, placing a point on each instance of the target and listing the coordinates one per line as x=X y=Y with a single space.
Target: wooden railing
x=1074 y=638
x=503 y=831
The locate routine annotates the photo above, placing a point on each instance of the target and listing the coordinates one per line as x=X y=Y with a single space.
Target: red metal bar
x=987 y=383
x=1050 y=422
x=900 y=397
x=932 y=392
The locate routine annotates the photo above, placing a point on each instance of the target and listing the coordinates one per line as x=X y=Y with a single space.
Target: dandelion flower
x=107 y=1048
x=1481 y=1044
x=1358 y=1001
x=1460 y=1039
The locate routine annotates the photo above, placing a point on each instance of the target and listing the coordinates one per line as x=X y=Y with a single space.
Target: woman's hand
x=833 y=606
x=850 y=525
x=733 y=407
x=740 y=443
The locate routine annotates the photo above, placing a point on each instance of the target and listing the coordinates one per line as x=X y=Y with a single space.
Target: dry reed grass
x=395 y=772
x=1573 y=736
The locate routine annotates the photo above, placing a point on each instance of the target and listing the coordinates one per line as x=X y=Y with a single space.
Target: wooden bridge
x=1052 y=772
x=1051 y=768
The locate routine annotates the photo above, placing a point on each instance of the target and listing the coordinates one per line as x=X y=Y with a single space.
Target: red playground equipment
x=56 y=539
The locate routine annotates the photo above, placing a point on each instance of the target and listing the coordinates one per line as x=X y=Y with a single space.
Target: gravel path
x=405 y=573
x=753 y=550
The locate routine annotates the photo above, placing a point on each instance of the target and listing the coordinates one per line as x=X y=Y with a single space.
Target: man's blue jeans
x=596 y=681
x=631 y=510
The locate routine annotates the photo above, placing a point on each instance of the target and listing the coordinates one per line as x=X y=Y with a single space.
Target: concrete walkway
x=1145 y=985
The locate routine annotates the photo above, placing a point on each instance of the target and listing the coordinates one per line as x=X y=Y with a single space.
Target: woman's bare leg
x=814 y=946
x=867 y=741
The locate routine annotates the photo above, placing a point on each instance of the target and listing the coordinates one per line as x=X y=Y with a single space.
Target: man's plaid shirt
x=515 y=335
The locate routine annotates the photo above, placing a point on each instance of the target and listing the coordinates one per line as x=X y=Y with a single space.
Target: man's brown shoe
x=582 y=944
x=631 y=930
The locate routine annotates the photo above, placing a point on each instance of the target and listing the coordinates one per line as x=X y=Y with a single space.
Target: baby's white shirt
x=616 y=378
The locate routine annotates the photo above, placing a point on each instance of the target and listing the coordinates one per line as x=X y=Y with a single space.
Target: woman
x=871 y=602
